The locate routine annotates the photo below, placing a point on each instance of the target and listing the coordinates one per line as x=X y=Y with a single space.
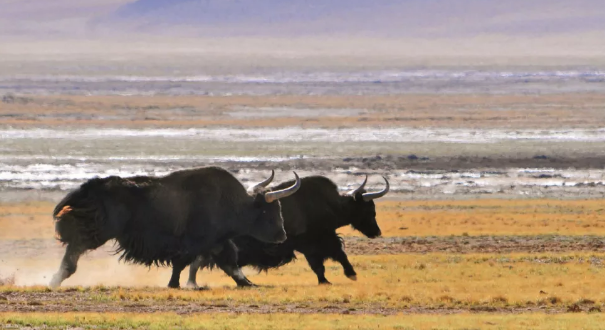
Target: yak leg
x=316 y=261
x=177 y=267
x=193 y=268
x=226 y=259
x=336 y=253
x=69 y=264
x=341 y=257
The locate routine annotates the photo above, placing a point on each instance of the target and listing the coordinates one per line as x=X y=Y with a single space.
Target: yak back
x=198 y=198
x=316 y=206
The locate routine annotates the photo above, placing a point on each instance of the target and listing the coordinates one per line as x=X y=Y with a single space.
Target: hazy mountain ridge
x=312 y=33
x=400 y=18
x=393 y=18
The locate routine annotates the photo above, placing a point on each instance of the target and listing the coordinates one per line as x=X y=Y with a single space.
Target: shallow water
x=61 y=159
x=298 y=134
x=313 y=82
x=515 y=181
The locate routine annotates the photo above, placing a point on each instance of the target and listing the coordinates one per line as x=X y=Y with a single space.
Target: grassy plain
x=386 y=284
x=402 y=218
x=492 y=217
x=305 y=321
x=520 y=290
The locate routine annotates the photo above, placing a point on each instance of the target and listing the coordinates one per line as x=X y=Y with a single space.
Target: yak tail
x=78 y=218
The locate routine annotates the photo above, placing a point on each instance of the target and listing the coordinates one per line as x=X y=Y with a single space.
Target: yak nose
x=280 y=237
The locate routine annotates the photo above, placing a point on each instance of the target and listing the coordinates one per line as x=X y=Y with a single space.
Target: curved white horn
x=358 y=189
x=264 y=183
x=373 y=195
x=275 y=195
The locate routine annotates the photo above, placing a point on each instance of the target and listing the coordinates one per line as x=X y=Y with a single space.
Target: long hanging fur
x=137 y=249
x=259 y=255
x=263 y=256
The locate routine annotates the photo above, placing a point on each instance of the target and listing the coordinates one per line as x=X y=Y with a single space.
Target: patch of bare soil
x=473 y=244
x=66 y=301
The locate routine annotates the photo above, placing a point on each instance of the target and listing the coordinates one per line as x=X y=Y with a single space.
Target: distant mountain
x=44 y=18
x=389 y=18
x=400 y=18
x=252 y=16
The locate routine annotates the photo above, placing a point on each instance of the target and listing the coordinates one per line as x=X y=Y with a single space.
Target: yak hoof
x=352 y=277
x=325 y=283
x=247 y=285
x=55 y=282
x=194 y=286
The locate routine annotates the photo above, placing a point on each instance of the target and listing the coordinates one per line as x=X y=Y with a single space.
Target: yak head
x=269 y=223
x=363 y=209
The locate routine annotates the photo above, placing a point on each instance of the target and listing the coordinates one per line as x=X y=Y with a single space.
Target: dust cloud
x=106 y=271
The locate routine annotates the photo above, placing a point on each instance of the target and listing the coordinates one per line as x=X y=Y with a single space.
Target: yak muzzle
x=280 y=237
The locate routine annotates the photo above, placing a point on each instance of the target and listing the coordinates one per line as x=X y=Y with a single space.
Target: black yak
x=311 y=217
x=166 y=220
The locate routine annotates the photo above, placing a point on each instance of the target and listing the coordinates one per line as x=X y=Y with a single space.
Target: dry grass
x=477 y=111
x=391 y=283
x=289 y=321
x=404 y=218
x=398 y=281
x=491 y=217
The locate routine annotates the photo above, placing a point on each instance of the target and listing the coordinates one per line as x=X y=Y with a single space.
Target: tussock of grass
x=300 y=322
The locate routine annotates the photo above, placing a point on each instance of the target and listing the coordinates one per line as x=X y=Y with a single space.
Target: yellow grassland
x=463 y=282
x=491 y=217
x=402 y=218
x=431 y=280
x=305 y=321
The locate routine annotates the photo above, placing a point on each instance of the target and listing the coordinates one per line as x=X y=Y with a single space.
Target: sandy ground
x=561 y=110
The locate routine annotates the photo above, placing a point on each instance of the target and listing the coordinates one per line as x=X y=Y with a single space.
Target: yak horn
x=263 y=184
x=373 y=195
x=358 y=189
x=275 y=195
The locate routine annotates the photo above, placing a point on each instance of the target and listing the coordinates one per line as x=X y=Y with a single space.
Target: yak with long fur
x=166 y=220
x=311 y=218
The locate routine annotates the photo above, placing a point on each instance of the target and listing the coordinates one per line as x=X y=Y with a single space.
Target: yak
x=311 y=218
x=167 y=220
